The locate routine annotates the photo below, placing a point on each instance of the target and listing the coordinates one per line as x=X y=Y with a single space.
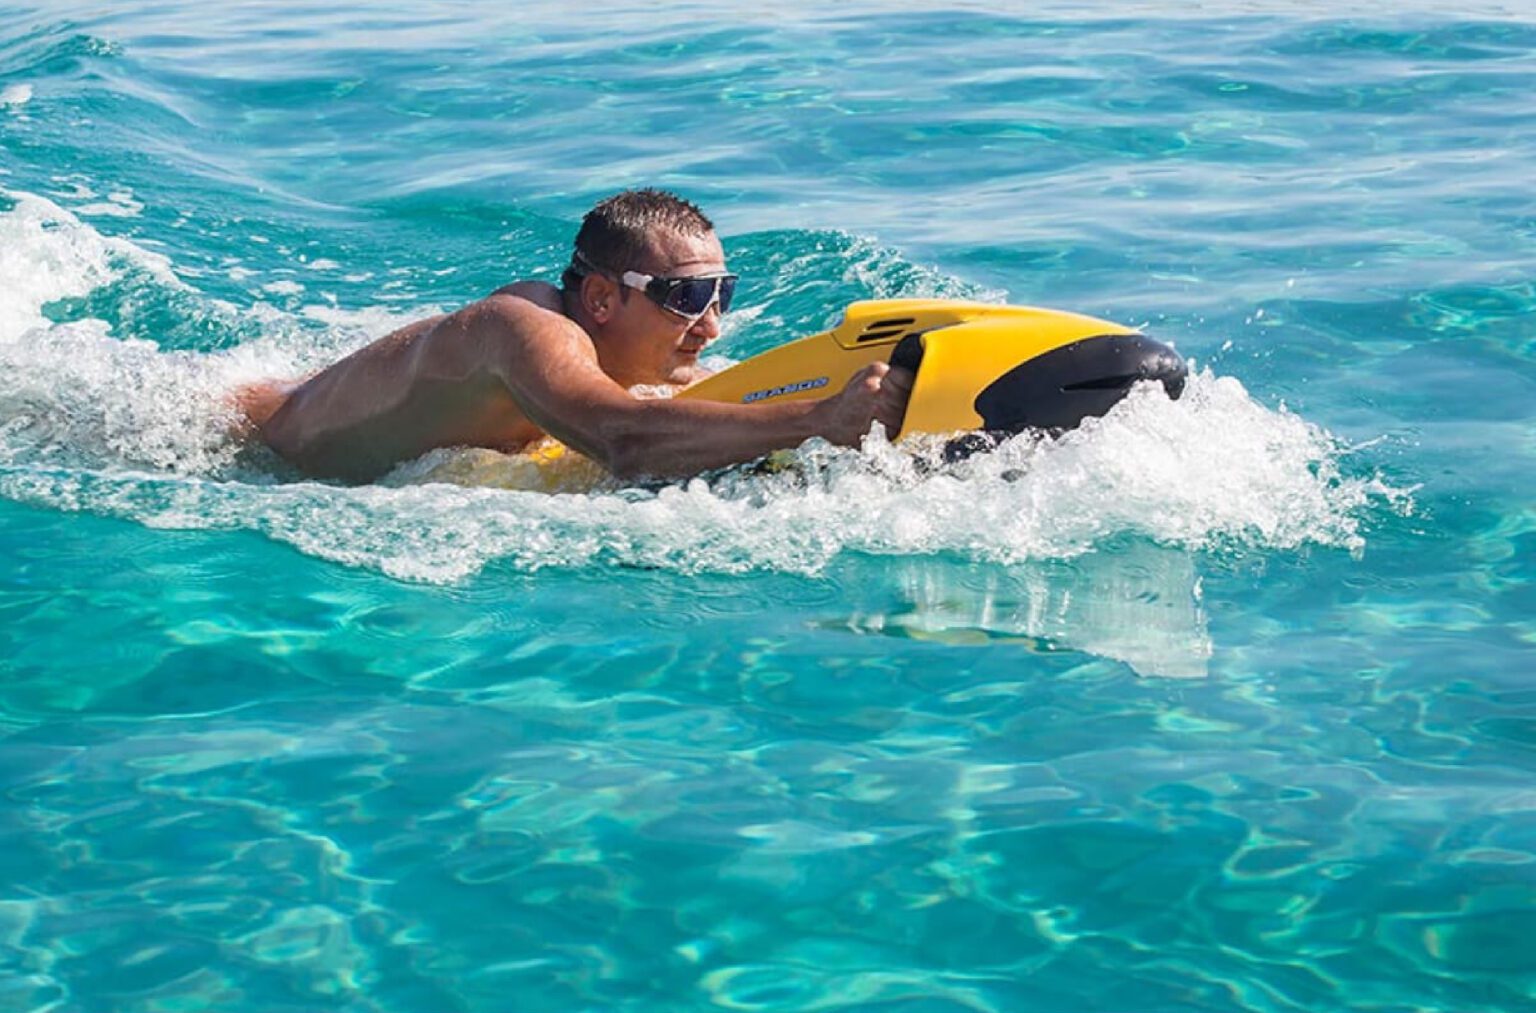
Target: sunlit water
x=1219 y=704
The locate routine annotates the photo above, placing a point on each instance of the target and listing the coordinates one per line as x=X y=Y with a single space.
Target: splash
x=1213 y=471
x=48 y=254
x=113 y=424
x=87 y=393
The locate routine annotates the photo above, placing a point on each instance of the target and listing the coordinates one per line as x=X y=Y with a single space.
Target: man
x=642 y=298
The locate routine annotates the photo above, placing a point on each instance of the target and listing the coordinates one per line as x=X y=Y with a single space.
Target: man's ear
x=599 y=296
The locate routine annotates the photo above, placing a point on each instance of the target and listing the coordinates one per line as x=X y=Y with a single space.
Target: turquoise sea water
x=1224 y=704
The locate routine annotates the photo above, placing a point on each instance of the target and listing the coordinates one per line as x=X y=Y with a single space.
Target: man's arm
x=548 y=364
x=505 y=370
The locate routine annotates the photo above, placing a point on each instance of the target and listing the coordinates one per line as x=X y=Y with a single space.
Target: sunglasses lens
x=692 y=297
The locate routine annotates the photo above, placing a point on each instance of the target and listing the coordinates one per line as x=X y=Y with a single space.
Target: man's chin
x=685 y=370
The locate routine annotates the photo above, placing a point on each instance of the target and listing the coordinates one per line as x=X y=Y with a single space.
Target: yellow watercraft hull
x=978 y=365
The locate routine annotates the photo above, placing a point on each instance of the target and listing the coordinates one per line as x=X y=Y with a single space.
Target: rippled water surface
x=1223 y=704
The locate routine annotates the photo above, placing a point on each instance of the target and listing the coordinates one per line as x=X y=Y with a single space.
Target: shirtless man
x=642 y=298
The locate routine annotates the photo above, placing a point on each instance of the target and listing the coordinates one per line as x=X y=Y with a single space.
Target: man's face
x=655 y=345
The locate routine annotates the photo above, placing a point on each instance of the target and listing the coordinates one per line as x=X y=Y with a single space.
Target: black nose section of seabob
x=1060 y=388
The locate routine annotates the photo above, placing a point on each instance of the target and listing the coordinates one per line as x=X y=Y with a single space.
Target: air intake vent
x=881 y=330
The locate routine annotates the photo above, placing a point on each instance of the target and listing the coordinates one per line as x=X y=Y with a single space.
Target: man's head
x=617 y=234
x=665 y=249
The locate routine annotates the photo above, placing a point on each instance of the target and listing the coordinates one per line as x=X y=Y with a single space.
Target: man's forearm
x=676 y=438
x=671 y=439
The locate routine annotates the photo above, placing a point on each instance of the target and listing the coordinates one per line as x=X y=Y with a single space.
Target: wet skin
x=530 y=361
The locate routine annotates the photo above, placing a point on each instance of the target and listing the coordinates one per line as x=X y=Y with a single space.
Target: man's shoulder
x=540 y=293
x=526 y=313
x=523 y=304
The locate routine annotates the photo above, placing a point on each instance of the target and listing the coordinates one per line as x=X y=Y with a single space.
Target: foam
x=1213 y=471
x=79 y=395
x=47 y=254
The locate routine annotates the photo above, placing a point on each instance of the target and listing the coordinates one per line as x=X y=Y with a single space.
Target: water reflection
x=1137 y=603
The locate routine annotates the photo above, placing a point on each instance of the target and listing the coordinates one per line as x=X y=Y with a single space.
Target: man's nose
x=708 y=325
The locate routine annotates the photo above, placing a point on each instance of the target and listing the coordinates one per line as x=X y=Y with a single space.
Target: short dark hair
x=615 y=234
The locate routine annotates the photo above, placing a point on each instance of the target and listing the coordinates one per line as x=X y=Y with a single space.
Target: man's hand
x=876 y=393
